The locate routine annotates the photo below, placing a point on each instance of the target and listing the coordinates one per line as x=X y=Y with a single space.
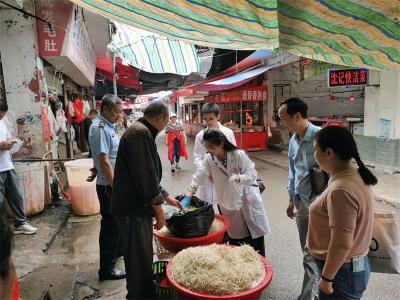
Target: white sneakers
x=175 y=167
x=25 y=228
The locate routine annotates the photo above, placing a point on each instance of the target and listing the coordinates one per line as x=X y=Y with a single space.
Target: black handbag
x=319 y=180
x=261 y=186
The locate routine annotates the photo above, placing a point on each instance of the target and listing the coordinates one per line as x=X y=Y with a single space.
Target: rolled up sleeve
x=163 y=192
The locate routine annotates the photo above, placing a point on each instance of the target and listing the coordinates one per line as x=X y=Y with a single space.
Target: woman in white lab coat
x=238 y=195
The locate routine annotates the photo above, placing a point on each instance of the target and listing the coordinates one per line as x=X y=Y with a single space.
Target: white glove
x=234 y=178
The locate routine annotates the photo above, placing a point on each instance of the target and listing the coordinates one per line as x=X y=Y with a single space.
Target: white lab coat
x=249 y=212
x=206 y=192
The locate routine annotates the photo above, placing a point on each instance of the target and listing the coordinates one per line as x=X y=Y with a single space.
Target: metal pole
x=69 y=145
x=114 y=74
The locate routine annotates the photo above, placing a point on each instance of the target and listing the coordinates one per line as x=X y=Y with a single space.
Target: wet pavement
x=68 y=266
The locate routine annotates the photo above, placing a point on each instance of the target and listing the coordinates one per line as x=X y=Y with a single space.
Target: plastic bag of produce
x=194 y=222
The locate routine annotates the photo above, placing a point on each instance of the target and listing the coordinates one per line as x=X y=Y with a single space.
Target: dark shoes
x=113 y=275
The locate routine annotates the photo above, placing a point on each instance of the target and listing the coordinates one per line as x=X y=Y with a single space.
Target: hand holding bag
x=384 y=252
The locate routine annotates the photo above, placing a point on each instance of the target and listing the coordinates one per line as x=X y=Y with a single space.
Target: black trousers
x=257 y=243
x=109 y=234
x=176 y=151
x=137 y=242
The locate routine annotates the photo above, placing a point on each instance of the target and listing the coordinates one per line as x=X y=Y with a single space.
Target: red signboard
x=66 y=41
x=250 y=94
x=51 y=38
x=347 y=77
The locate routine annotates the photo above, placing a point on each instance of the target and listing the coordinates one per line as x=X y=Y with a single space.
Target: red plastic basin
x=175 y=244
x=250 y=294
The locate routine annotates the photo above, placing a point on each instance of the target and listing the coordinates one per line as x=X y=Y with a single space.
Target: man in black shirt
x=137 y=197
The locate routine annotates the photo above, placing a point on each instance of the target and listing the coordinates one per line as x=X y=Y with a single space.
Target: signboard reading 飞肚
x=346 y=77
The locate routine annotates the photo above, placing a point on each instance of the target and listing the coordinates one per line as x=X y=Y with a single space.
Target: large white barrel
x=31 y=184
x=83 y=194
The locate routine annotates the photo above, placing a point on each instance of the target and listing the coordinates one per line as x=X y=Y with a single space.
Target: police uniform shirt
x=103 y=139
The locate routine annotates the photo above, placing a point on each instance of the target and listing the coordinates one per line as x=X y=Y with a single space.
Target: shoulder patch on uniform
x=102 y=125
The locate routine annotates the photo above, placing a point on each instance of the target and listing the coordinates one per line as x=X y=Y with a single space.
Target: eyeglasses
x=118 y=111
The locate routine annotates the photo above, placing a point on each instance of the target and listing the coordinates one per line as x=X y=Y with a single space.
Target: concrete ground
x=67 y=267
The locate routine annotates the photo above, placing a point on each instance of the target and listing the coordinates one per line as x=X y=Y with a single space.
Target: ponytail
x=365 y=173
x=342 y=142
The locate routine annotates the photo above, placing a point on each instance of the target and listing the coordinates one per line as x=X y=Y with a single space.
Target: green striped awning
x=362 y=33
x=153 y=53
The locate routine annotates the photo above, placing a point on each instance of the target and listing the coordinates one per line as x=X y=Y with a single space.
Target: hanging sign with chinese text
x=51 y=37
x=347 y=77
x=250 y=94
x=66 y=41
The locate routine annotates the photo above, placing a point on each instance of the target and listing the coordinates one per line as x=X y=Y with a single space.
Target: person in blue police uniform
x=104 y=142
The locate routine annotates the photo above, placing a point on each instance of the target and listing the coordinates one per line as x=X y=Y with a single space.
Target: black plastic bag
x=261 y=186
x=193 y=223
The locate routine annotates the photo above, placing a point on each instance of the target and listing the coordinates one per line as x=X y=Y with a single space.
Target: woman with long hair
x=238 y=196
x=340 y=224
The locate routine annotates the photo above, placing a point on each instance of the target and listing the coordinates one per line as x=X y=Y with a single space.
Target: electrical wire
x=33 y=16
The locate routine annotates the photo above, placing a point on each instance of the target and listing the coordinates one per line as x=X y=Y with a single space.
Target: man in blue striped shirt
x=293 y=114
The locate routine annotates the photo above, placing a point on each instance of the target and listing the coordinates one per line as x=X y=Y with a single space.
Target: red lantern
x=332 y=98
x=352 y=98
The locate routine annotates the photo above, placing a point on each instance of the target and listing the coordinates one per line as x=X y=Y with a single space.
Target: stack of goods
x=218 y=269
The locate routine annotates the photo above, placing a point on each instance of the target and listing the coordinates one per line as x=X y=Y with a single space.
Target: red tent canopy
x=127 y=76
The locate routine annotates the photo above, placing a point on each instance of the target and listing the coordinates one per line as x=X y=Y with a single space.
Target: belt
x=347 y=261
x=350 y=260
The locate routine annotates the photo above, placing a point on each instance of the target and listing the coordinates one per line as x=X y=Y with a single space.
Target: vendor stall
x=242 y=111
x=191 y=117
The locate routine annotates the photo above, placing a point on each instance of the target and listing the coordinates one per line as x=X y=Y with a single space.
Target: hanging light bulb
x=352 y=98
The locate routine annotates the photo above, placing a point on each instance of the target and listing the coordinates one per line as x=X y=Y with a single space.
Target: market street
x=68 y=269
x=90 y=91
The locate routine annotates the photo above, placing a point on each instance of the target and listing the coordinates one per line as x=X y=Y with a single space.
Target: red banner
x=250 y=94
x=51 y=38
x=66 y=41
